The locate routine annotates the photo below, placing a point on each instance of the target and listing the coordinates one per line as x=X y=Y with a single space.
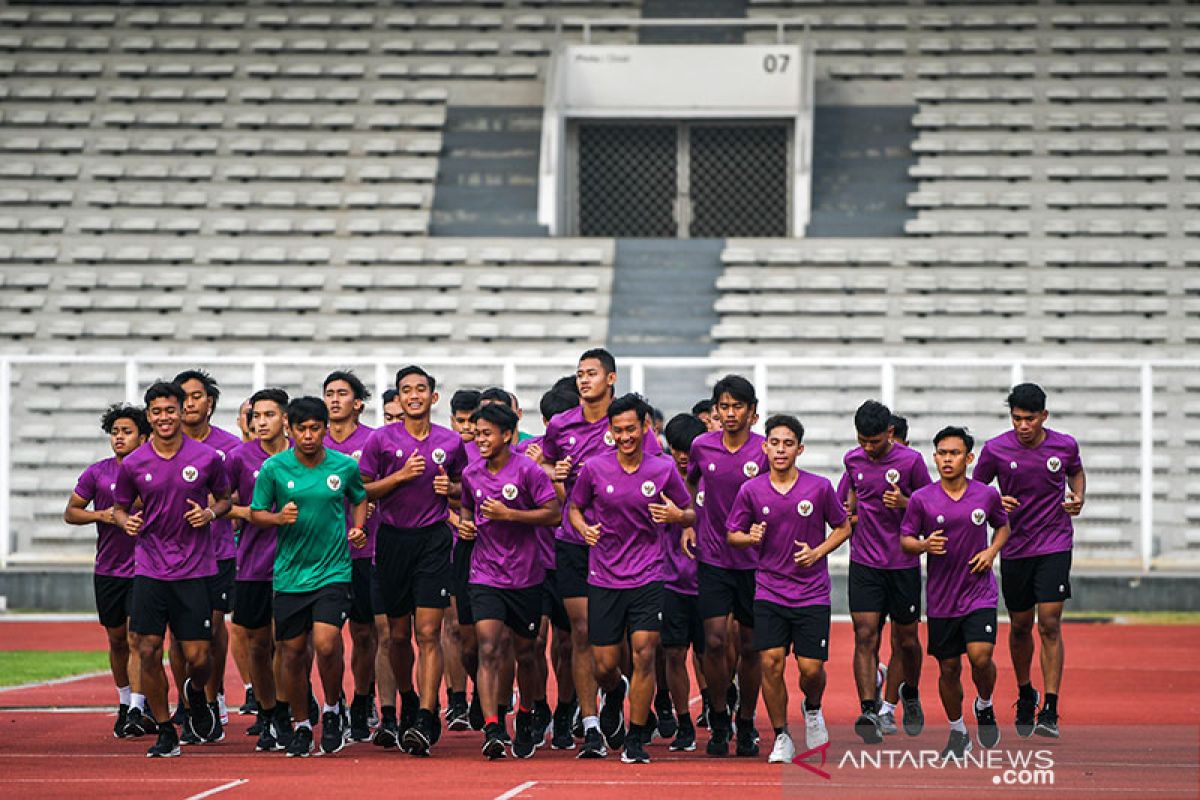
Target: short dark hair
x=413 y=369
x=498 y=414
x=605 y=358
x=785 y=421
x=124 y=411
x=361 y=392
x=872 y=418
x=736 y=387
x=495 y=394
x=389 y=395
x=566 y=384
x=630 y=402
x=307 y=409
x=278 y=396
x=464 y=400
x=682 y=430
x=899 y=427
x=208 y=381
x=656 y=414
x=1027 y=396
x=555 y=402
x=160 y=389
x=951 y=431
x=702 y=407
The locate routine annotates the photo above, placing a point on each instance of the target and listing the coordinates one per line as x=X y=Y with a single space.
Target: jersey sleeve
x=676 y=490
x=467 y=501
x=264 y=488
x=355 y=492
x=368 y=462
x=456 y=462
x=997 y=516
x=835 y=512
x=1073 y=464
x=126 y=492
x=85 y=487
x=693 y=470
x=551 y=452
x=741 y=511
x=539 y=485
x=218 y=476
x=843 y=487
x=652 y=445
x=913 y=523
x=985 y=466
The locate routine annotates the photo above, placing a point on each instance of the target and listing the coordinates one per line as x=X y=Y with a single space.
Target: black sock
x=635 y=730
x=1025 y=690
x=425 y=714
x=459 y=697
x=685 y=721
x=564 y=707
x=387 y=713
x=778 y=731
x=808 y=705
x=868 y=706
x=704 y=697
x=908 y=692
x=409 y=698
x=662 y=699
x=1051 y=703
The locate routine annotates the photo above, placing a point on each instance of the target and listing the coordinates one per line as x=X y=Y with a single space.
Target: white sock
x=981 y=704
x=326 y=708
x=137 y=701
x=247 y=686
x=886 y=708
x=591 y=722
x=124 y=693
x=304 y=723
x=958 y=725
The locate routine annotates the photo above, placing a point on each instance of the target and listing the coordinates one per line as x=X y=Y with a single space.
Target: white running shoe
x=815 y=733
x=784 y=750
x=223 y=708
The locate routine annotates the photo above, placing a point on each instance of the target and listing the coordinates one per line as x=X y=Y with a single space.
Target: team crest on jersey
x=805 y=508
x=334 y=482
x=700 y=499
x=399 y=453
x=608 y=439
x=893 y=476
x=648 y=489
x=978 y=516
x=749 y=469
x=190 y=473
x=439 y=456
x=356 y=455
x=509 y=491
x=1054 y=463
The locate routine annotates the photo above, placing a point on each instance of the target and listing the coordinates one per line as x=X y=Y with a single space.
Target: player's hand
x=982 y=561
x=370 y=510
x=106 y=516
x=805 y=556
x=534 y=451
x=935 y=544
x=441 y=482
x=1073 y=504
x=492 y=508
x=687 y=543
x=289 y=514
x=666 y=511
x=756 y=532
x=413 y=466
x=591 y=534
x=466 y=529
x=133 y=524
x=358 y=538
x=562 y=470
x=1010 y=503
x=197 y=515
x=894 y=498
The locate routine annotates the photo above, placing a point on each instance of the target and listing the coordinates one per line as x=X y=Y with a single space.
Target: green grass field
x=26 y=666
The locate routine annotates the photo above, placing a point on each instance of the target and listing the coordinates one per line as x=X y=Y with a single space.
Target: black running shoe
x=651 y=727
x=957 y=747
x=218 y=731
x=612 y=715
x=188 y=736
x=388 y=732
x=685 y=740
x=1026 y=704
x=331 y=733
x=719 y=726
x=869 y=728
x=747 y=739
x=474 y=713
x=458 y=715
x=561 y=737
x=668 y=726
x=542 y=718
x=593 y=745
x=420 y=736
x=523 y=743
x=256 y=727
x=140 y=723
x=733 y=698
x=204 y=720
x=914 y=717
x=167 y=744
x=988 y=732
x=577 y=722
x=410 y=704
x=705 y=710
x=360 y=728
x=250 y=707
x=493 y=742
x=314 y=710
x=281 y=726
x=267 y=742
x=1047 y=723
x=302 y=742
x=180 y=714
x=122 y=721
x=635 y=751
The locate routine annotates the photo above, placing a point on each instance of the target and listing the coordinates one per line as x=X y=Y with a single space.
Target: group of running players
x=603 y=550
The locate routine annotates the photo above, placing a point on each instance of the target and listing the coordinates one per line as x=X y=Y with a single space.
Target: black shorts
x=113 y=599
x=948 y=636
x=571 y=569
x=182 y=605
x=681 y=623
x=614 y=613
x=376 y=595
x=220 y=586
x=414 y=568
x=519 y=609
x=1037 y=579
x=804 y=629
x=552 y=603
x=726 y=591
x=252 y=604
x=361 y=608
x=888 y=592
x=461 y=569
x=295 y=612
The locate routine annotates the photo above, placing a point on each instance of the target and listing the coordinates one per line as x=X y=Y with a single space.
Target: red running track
x=1129 y=718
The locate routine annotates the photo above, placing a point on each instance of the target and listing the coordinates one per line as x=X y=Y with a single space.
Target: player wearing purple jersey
x=783 y=516
x=411 y=470
x=718 y=465
x=460 y=651
x=948 y=521
x=1042 y=484
x=881 y=474
x=175 y=479
x=112 y=580
x=505 y=497
x=621 y=504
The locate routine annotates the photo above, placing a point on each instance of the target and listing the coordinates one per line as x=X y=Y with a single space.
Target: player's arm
x=747 y=538
x=851 y=506
x=912 y=538
x=1076 y=488
x=982 y=561
x=77 y=512
x=544 y=516
x=236 y=509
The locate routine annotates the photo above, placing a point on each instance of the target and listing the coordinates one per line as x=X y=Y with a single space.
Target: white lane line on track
x=516 y=790
x=217 y=789
x=53 y=681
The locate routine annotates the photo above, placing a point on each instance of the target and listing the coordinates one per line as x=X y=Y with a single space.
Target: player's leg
x=1049 y=622
x=214 y=690
x=643 y=646
x=1017 y=585
x=293 y=685
x=364 y=643
x=388 y=732
x=812 y=684
x=427 y=625
x=178 y=666
x=904 y=670
x=983 y=675
x=490 y=636
x=866 y=643
x=775 y=697
x=531 y=684
x=609 y=680
x=118 y=666
x=455 y=675
x=583 y=669
x=239 y=648
x=274 y=718
x=749 y=674
x=950 y=691
x=666 y=724
x=329 y=653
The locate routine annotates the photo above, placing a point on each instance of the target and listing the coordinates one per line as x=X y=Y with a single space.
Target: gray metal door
x=627 y=180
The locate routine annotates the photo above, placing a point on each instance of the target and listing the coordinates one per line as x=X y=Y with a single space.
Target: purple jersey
x=255 y=546
x=632 y=549
x=506 y=555
x=679 y=571
x=569 y=434
x=843 y=489
x=472 y=451
x=412 y=504
x=545 y=534
x=800 y=515
x=168 y=548
x=876 y=538
x=1037 y=476
x=114 y=547
x=718 y=474
x=224 y=442
x=951 y=590
x=353 y=446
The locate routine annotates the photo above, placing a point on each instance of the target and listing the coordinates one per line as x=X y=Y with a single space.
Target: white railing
x=769 y=374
